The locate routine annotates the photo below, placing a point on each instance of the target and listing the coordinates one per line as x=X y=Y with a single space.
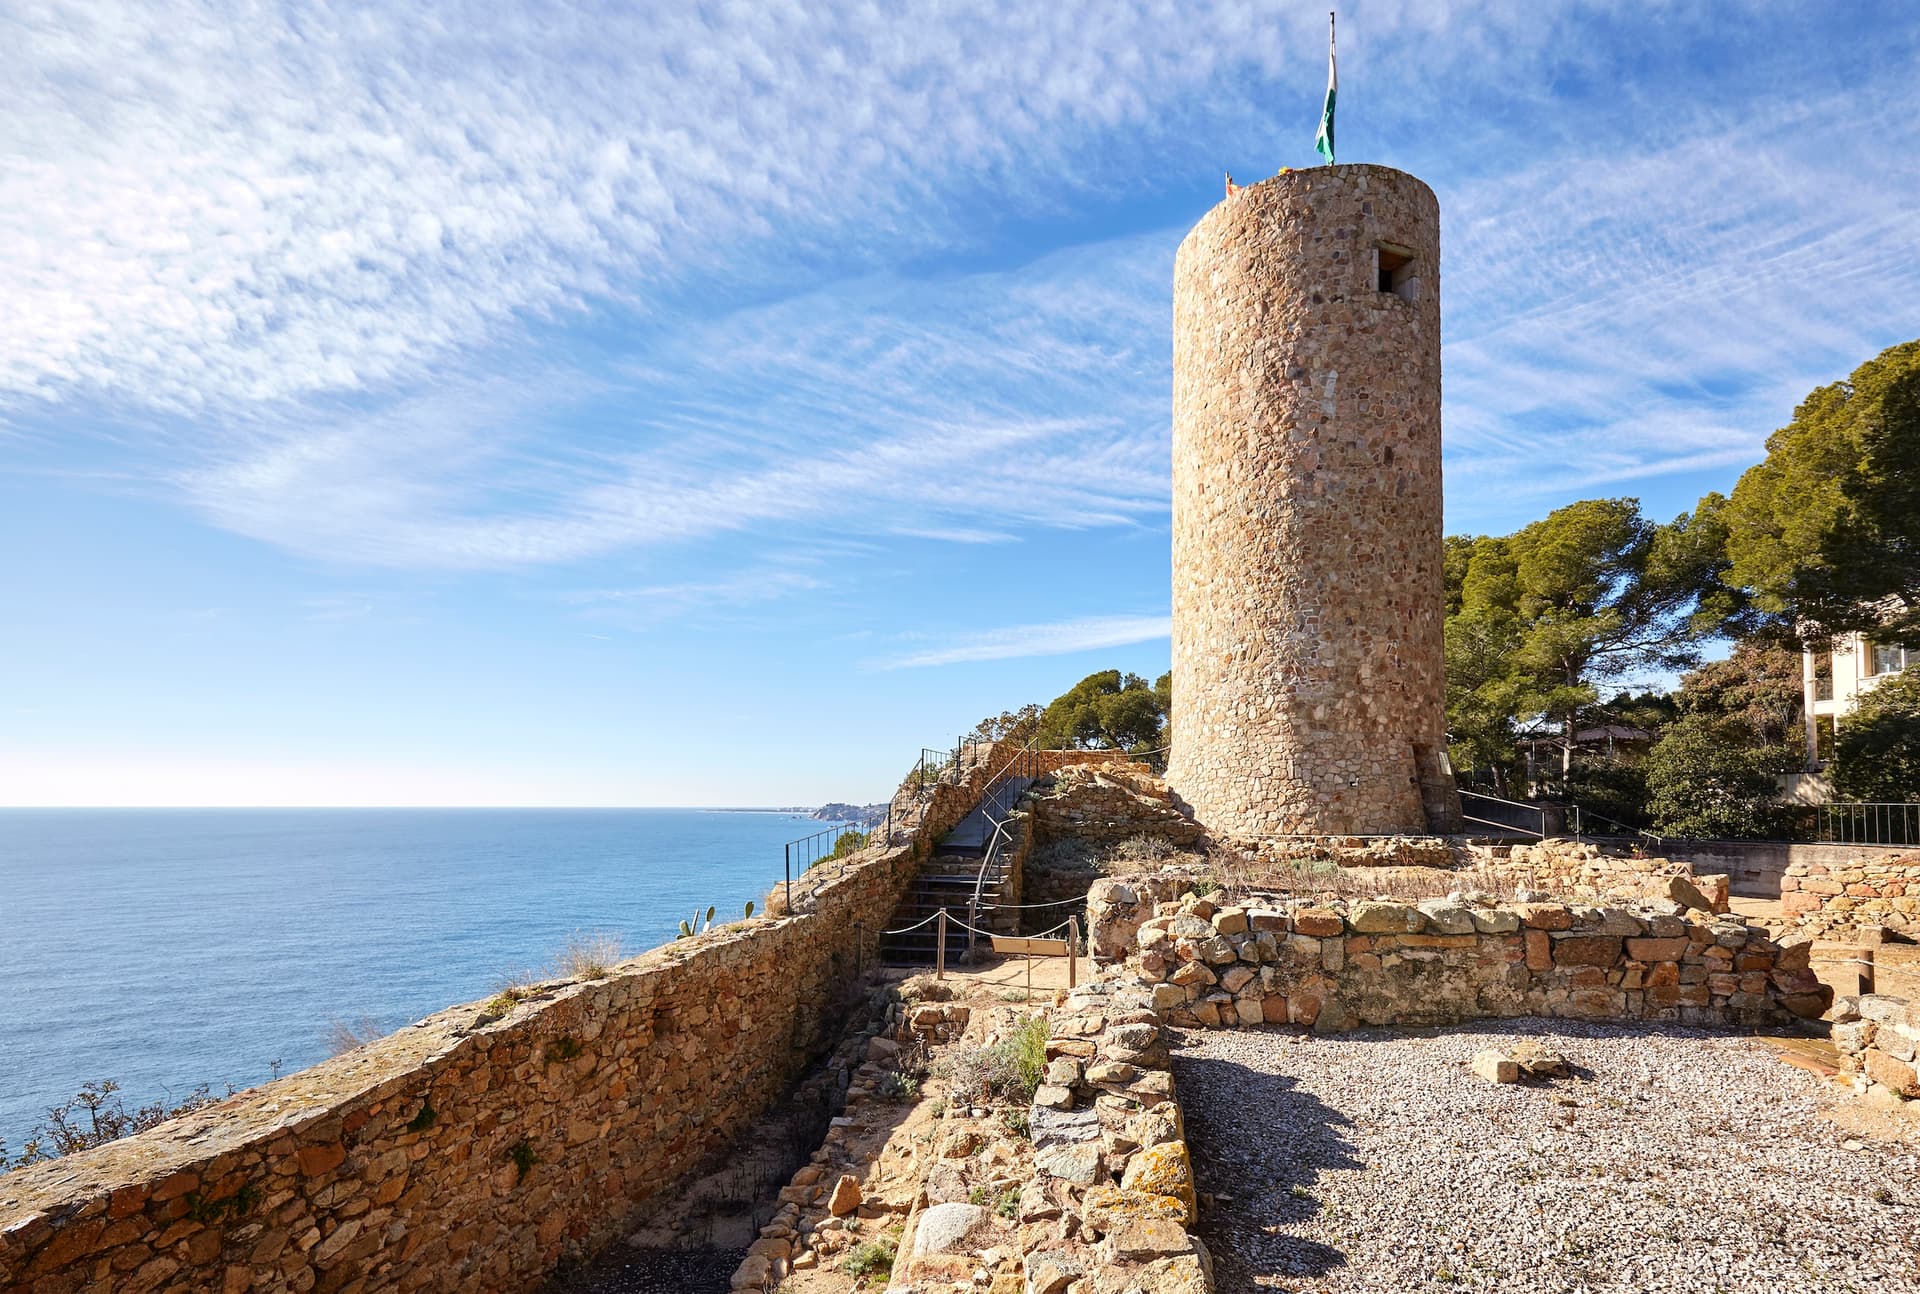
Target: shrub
x=1007 y=1072
x=1876 y=749
x=899 y=1085
x=1143 y=849
x=1068 y=854
x=94 y=1117
x=511 y=988
x=1612 y=787
x=847 y=844
x=590 y=956
x=343 y=1037
x=874 y=1259
x=1704 y=779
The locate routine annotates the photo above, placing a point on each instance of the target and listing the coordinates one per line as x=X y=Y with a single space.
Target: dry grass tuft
x=343 y=1037
x=591 y=955
x=1242 y=876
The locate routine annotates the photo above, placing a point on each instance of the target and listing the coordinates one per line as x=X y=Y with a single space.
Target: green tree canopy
x=1824 y=535
x=1877 y=747
x=1759 y=685
x=1104 y=711
x=1593 y=592
x=1107 y=710
x=1008 y=725
x=1705 y=778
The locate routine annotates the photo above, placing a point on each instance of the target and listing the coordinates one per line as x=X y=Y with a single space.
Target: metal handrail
x=1025 y=762
x=987 y=862
x=1867 y=823
x=812 y=853
x=1504 y=826
x=1578 y=819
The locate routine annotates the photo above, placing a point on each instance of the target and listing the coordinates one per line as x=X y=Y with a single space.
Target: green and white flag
x=1323 y=142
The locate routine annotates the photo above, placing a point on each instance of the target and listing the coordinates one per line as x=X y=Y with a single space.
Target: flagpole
x=1323 y=142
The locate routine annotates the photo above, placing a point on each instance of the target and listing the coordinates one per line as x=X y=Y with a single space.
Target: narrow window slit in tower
x=1394 y=269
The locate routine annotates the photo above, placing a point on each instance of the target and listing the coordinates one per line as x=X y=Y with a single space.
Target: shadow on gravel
x=1261 y=1184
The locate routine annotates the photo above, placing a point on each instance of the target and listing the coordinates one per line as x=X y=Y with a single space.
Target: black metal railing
x=815 y=848
x=1584 y=823
x=1866 y=823
x=1506 y=815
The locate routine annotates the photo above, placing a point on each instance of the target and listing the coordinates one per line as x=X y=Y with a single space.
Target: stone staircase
x=946 y=881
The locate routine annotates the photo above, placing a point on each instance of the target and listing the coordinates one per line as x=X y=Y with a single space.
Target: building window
x=1394 y=271
x=1888 y=659
x=1823 y=738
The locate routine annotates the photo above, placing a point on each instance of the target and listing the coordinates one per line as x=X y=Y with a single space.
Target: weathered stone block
x=1586 y=950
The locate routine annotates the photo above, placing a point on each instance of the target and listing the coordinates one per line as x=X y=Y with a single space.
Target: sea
x=165 y=948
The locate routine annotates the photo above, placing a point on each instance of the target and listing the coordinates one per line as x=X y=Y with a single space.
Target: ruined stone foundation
x=1307 y=583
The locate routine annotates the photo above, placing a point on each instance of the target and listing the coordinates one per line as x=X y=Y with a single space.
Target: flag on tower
x=1323 y=142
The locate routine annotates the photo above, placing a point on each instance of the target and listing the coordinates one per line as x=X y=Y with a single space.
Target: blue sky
x=712 y=405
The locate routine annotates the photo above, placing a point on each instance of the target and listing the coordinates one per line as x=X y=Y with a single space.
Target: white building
x=1834 y=681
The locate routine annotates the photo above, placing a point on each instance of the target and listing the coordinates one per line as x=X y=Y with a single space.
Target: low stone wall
x=1577 y=869
x=1757 y=867
x=1838 y=899
x=1339 y=965
x=1086 y=823
x=1113 y=1175
x=480 y=1147
x=1878 y=1036
x=1109 y=801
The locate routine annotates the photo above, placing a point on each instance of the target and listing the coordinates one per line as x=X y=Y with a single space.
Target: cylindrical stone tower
x=1307 y=580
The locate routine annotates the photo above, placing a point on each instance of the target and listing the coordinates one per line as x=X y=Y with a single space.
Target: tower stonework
x=1307 y=561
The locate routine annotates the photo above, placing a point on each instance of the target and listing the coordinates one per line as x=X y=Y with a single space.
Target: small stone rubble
x=1669 y=1161
x=1108 y=802
x=1345 y=963
x=1577 y=869
x=1878 y=1037
x=823 y=1207
x=1837 y=901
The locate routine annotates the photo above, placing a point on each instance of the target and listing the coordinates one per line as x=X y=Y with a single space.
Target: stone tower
x=1307 y=580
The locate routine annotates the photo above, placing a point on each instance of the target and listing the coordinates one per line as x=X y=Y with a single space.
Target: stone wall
x=1339 y=965
x=1112 y=1167
x=1757 y=867
x=1843 y=897
x=1877 y=1037
x=1094 y=820
x=478 y=1148
x=1307 y=595
x=1104 y=803
x=1577 y=869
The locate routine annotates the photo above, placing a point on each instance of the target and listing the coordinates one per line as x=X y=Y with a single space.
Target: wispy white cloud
x=1059 y=639
x=964 y=411
x=324 y=268
x=742 y=589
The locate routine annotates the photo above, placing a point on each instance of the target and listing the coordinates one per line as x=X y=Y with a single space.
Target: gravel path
x=625 y=1270
x=1672 y=1161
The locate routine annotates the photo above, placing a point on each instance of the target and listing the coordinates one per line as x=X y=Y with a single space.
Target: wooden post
x=1029 y=961
x=940 y=946
x=1073 y=951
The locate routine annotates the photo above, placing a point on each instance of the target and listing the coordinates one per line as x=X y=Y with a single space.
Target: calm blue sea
x=164 y=948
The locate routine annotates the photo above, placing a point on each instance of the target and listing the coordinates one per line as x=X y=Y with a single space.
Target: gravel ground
x=625 y=1270
x=1671 y=1161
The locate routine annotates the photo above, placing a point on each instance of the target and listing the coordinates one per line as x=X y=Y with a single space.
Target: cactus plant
x=749 y=909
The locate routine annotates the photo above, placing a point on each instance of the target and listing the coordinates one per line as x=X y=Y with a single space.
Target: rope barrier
x=916 y=925
x=1021 y=907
